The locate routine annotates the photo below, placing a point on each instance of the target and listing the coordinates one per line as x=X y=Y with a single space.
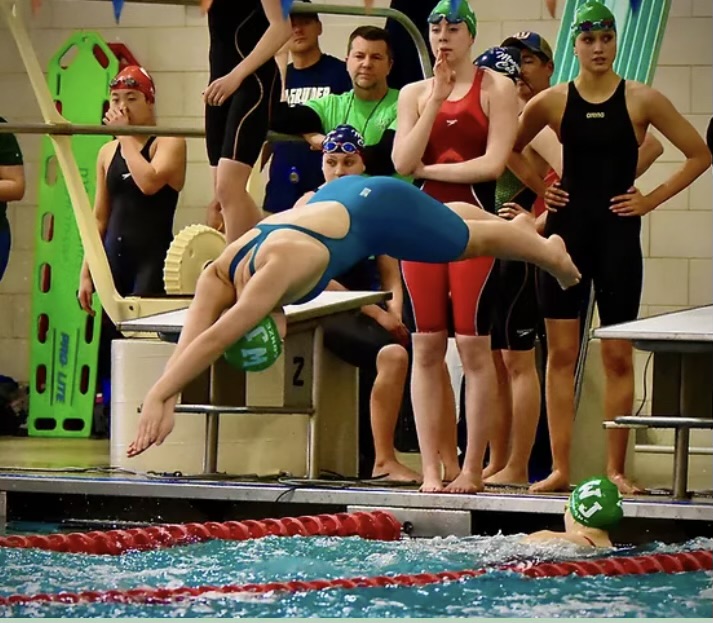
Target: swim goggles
x=125 y=81
x=435 y=18
x=602 y=24
x=329 y=147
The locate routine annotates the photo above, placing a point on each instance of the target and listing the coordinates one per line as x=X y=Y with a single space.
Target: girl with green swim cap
x=601 y=120
x=455 y=134
x=592 y=16
x=593 y=508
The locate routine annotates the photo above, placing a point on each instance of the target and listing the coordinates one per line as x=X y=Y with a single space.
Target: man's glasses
x=602 y=24
x=329 y=147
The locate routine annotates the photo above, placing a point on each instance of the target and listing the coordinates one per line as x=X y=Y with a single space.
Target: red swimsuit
x=460 y=133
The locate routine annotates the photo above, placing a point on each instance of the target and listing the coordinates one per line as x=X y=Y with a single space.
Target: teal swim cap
x=592 y=15
x=462 y=13
x=258 y=349
x=596 y=503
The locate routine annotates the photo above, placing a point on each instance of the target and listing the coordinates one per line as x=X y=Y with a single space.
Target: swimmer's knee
x=617 y=357
x=392 y=359
x=429 y=349
x=231 y=174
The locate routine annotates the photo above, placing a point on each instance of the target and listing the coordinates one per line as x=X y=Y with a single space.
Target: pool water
x=497 y=594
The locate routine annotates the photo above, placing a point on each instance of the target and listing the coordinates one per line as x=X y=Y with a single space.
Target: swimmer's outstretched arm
x=204 y=339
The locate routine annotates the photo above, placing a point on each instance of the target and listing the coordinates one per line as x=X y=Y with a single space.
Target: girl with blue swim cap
x=291 y=257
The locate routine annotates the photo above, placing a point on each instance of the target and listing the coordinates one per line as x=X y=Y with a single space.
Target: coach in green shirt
x=370 y=106
x=12 y=188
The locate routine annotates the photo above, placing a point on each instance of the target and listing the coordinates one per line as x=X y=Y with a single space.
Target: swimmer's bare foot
x=560 y=264
x=431 y=485
x=556 y=481
x=491 y=469
x=393 y=470
x=508 y=476
x=466 y=482
x=451 y=469
x=625 y=486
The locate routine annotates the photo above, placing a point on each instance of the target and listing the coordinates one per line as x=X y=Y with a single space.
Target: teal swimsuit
x=387 y=217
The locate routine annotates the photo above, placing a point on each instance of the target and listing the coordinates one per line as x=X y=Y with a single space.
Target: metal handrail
x=69 y=129
x=335 y=9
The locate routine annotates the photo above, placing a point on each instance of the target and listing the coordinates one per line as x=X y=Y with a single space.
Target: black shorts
x=356 y=339
x=237 y=129
x=607 y=250
x=517 y=312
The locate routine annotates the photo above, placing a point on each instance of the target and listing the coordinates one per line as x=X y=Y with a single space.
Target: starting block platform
x=682 y=400
x=93 y=480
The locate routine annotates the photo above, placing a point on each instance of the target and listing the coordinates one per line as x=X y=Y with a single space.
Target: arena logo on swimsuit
x=595 y=115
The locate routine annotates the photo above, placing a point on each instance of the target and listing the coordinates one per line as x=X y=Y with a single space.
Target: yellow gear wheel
x=193 y=248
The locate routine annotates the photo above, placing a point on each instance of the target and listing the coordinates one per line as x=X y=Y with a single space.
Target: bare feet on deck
x=561 y=265
x=491 y=469
x=393 y=470
x=431 y=485
x=625 y=486
x=450 y=470
x=507 y=476
x=556 y=481
x=466 y=482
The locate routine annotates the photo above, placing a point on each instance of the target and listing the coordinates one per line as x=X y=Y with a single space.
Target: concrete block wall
x=172 y=42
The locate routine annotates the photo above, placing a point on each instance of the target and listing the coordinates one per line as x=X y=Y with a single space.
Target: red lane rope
x=376 y=525
x=652 y=563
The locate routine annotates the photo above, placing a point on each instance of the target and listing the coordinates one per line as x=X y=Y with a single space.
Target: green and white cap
x=455 y=12
x=596 y=503
x=258 y=349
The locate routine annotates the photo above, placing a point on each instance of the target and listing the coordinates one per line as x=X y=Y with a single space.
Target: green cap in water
x=258 y=349
x=592 y=15
x=596 y=503
x=455 y=12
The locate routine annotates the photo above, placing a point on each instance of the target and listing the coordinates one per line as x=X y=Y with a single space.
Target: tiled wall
x=172 y=42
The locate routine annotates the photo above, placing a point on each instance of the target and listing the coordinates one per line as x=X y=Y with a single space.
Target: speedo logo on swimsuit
x=595 y=115
x=450 y=122
x=125 y=176
x=365 y=192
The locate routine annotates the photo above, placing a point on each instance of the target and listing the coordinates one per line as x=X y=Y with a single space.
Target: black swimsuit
x=600 y=153
x=237 y=129
x=139 y=231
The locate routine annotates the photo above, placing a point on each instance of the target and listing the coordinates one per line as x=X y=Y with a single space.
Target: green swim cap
x=455 y=12
x=592 y=15
x=596 y=503
x=258 y=349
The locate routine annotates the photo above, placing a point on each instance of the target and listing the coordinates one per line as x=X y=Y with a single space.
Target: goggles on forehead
x=436 y=18
x=602 y=24
x=329 y=147
x=125 y=81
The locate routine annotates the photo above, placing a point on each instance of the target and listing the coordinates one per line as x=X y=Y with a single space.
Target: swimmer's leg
x=240 y=212
x=516 y=240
